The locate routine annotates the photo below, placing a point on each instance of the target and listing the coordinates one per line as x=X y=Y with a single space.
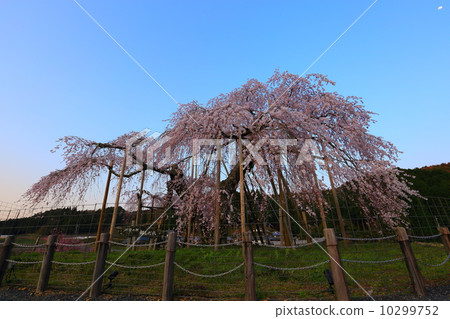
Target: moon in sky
x=440 y=8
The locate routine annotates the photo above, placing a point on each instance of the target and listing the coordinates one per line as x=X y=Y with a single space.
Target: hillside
x=431 y=180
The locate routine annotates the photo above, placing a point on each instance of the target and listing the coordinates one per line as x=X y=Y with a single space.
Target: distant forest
x=431 y=180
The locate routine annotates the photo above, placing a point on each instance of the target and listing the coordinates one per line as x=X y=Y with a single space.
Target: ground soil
x=438 y=293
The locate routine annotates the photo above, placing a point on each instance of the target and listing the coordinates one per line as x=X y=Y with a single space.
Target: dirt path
x=440 y=293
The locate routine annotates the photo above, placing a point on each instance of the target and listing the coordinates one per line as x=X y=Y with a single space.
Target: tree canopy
x=292 y=128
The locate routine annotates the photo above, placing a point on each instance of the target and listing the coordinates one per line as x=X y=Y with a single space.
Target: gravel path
x=438 y=293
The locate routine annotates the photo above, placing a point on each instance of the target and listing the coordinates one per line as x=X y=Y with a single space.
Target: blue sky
x=60 y=74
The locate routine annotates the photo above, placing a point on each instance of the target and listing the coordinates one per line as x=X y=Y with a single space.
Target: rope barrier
x=23 y=262
x=424 y=237
x=437 y=265
x=135 y=267
x=73 y=264
x=296 y=268
x=296 y=246
x=373 y=261
x=75 y=245
x=208 y=276
x=136 y=245
x=28 y=246
x=209 y=245
x=363 y=239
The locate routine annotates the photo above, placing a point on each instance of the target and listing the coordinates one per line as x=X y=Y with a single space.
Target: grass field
x=381 y=279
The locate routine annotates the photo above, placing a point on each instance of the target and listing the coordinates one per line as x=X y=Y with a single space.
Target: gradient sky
x=60 y=74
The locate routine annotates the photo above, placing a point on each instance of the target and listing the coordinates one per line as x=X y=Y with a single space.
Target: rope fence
x=280 y=267
x=435 y=265
x=135 y=267
x=208 y=276
x=24 y=262
x=374 y=261
x=366 y=239
x=73 y=264
x=292 y=269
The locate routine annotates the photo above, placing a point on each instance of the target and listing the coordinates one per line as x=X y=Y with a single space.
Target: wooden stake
x=284 y=224
x=5 y=252
x=250 y=288
x=189 y=226
x=102 y=212
x=411 y=263
x=319 y=200
x=303 y=214
x=36 y=243
x=305 y=223
x=445 y=236
x=116 y=204
x=336 y=201
x=241 y=186
x=336 y=265
x=47 y=263
x=167 y=293
x=217 y=216
x=97 y=277
x=139 y=208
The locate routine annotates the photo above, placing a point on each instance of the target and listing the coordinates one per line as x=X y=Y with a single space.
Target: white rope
x=23 y=262
x=136 y=245
x=119 y=244
x=157 y=243
x=296 y=246
x=134 y=267
x=362 y=239
x=209 y=276
x=373 y=261
x=437 y=265
x=209 y=245
x=73 y=264
x=28 y=246
x=290 y=269
x=75 y=245
x=424 y=237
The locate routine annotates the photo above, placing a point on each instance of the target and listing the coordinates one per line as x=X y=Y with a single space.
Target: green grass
x=379 y=279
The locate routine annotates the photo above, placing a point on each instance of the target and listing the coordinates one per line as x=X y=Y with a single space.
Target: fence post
x=445 y=236
x=46 y=263
x=336 y=265
x=411 y=263
x=250 y=289
x=167 y=293
x=97 y=278
x=5 y=252
x=36 y=243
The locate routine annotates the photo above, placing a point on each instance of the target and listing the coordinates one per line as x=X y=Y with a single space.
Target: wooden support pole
x=217 y=215
x=336 y=265
x=319 y=199
x=116 y=204
x=5 y=252
x=336 y=201
x=300 y=216
x=445 y=236
x=411 y=263
x=167 y=294
x=36 y=243
x=241 y=187
x=188 y=236
x=250 y=288
x=305 y=224
x=46 y=266
x=286 y=238
x=99 y=268
x=102 y=212
x=141 y=192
